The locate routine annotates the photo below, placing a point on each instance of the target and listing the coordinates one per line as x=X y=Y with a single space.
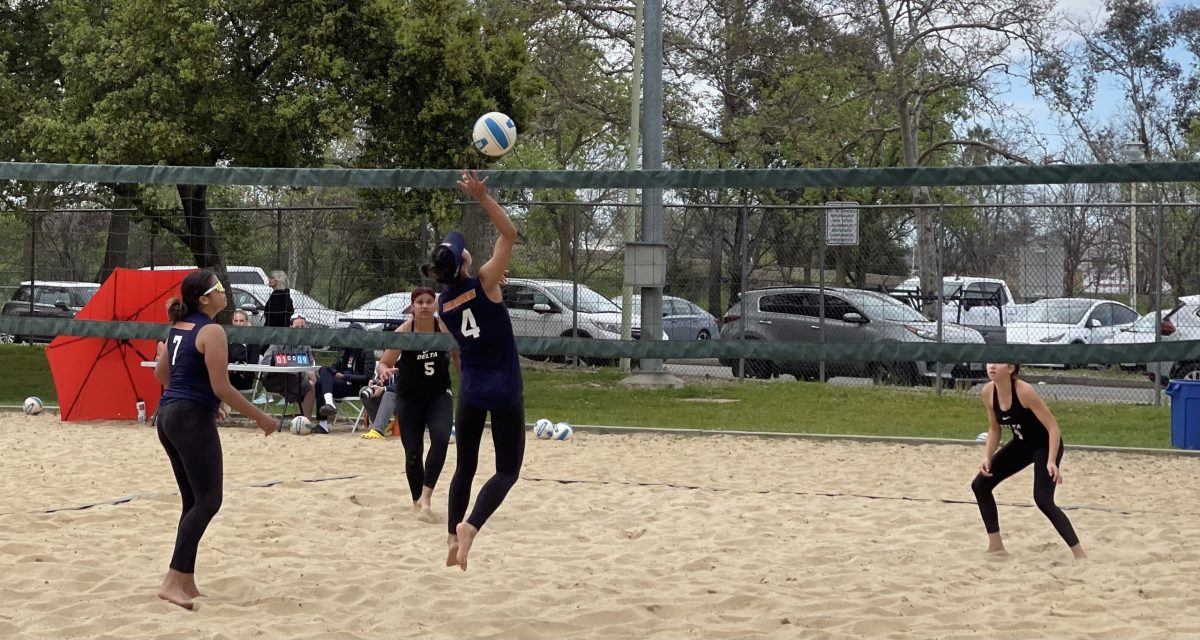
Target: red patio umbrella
x=102 y=378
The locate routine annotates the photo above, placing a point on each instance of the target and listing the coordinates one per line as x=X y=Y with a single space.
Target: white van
x=237 y=274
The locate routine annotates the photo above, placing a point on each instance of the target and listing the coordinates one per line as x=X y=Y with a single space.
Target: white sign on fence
x=841 y=223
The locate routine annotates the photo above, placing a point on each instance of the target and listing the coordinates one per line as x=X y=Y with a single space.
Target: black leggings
x=188 y=432
x=508 y=436
x=1011 y=458
x=415 y=414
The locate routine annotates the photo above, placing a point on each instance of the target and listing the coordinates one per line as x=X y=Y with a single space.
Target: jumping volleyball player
x=193 y=367
x=1036 y=439
x=473 y=311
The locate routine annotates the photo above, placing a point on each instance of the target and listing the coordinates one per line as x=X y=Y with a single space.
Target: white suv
x=237 y=274
x=548 y=308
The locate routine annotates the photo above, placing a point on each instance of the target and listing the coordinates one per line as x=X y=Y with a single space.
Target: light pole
x=1134 y=152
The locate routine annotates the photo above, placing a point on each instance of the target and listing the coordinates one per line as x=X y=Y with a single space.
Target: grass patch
x=809 y=407
x=595 y=398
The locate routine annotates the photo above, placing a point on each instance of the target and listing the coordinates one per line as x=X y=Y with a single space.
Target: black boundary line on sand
x=130 y=498
x=668 y=485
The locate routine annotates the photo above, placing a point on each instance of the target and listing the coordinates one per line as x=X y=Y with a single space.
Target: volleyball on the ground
x=982 y=437
x=543 y=429
x=494 y=134
x=301 y=426
x=562 y=431
x=32 y=406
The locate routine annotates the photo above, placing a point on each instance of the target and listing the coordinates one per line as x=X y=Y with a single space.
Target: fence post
x=32 y=258
x=824 y=213
x=941 y=241
x=575 y=276
x=278 y=239
x=1156 y=385
x=743 y=268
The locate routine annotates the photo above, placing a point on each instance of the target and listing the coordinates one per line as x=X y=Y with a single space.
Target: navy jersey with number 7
x=491 y=371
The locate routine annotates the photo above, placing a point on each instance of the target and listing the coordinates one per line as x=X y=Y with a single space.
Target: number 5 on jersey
x=469 y=328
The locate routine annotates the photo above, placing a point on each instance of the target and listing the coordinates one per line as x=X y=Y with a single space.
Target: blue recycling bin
x=1185 y=413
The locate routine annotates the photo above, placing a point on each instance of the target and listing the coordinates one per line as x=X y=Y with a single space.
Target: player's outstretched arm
x=492 y=272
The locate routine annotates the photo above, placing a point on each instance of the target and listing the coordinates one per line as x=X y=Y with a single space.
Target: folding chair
x=355 y=405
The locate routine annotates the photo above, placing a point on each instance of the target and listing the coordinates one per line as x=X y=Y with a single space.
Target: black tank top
x=422 y=374
x=189 y=374
x=1025 y=426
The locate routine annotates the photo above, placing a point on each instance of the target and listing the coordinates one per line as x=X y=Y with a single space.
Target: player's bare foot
x=1077 y=551
x=191 y=589
x=995 y=543
x=177 y=597
x=175 y=589
x=466 y=535
x=425 y=514
x=452 y=551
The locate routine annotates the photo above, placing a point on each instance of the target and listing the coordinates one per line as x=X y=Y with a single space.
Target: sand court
x=606 y=536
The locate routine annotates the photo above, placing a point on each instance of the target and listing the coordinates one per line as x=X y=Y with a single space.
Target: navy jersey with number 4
x=491 y=371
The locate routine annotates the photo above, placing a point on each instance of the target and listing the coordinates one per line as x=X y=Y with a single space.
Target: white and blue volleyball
x=32 y=406
x=494 y=134
x=301 y=426
x=562 y=431
x=982 y=437
x=543 y=429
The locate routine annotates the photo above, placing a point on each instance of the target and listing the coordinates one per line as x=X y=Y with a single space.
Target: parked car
x=1070 y=320
x=682 y=320
x=548 y=308
x=1139 y=332
x=252 y=298
x=984 y=304
x=47 y=299
x=851 y=316
x=237 y=274
x=1183 y=323
x=391 y=306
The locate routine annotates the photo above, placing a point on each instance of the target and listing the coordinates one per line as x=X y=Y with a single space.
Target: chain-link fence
x=1026 y=272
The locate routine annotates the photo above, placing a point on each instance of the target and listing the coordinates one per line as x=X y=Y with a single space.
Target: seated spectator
x=294 y=387
x=241 y=353
x=379 y=402
x=349 y=373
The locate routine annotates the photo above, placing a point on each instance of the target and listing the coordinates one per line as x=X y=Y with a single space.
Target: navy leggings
x=1010 y=459
x=188 y=433
x=508 y=436
x=415 y=414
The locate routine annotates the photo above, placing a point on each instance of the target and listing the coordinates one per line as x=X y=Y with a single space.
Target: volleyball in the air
x=301 y=426
x=562 y=431
x=543 y=429
x=494 y=134
x=32 y=406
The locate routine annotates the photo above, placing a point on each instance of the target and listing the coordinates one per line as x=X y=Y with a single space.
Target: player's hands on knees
x=266 y=423
x=1055 y=473
x=985 y=469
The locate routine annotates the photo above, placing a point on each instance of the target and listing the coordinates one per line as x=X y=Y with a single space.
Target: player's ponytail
x=442 y=267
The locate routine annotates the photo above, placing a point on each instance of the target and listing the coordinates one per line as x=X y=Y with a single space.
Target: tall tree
x=929 y=49
x=243 y=82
